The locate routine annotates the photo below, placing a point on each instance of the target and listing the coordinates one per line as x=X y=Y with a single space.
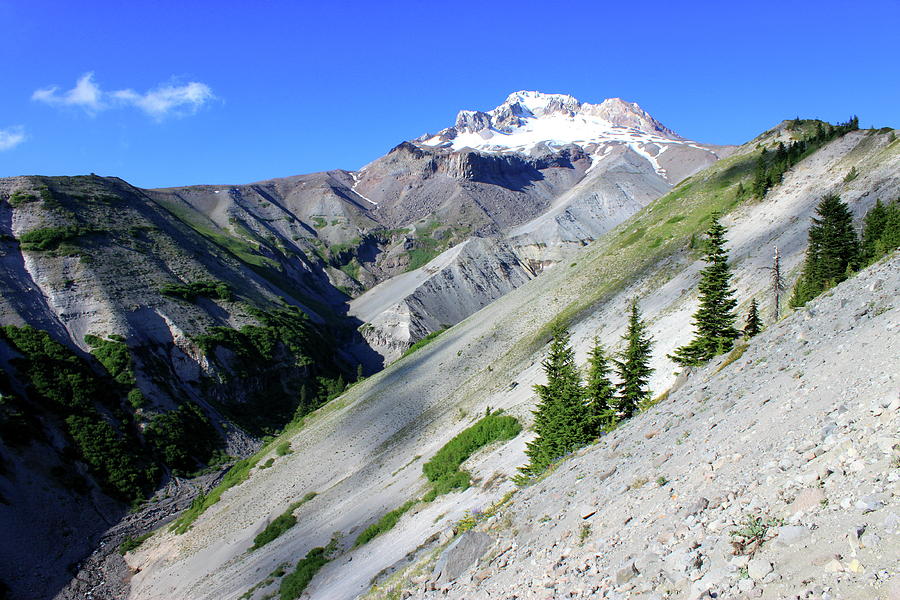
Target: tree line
x=572 y=412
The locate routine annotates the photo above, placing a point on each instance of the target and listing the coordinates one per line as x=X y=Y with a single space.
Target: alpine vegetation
x=599 y=391
x=561 y=417
x=752 y=325
x=714 y=320
x=570 y=413
x=833 y=251
x=633 y=366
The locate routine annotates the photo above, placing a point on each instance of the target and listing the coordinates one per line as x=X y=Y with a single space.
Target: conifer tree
x=881 y=231
x=832 y=253
x=633 y=365
x=714 y=320
x=560 y=417
x=752 y=325
x=599 y=392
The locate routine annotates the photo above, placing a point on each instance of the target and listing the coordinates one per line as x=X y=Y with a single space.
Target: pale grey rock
x=758 y=568
x=790 y=535
x=460 y=555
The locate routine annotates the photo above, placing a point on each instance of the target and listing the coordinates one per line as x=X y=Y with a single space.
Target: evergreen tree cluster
x=834 y=252
x=571 y=413
x=881 y=231
x=771 y=166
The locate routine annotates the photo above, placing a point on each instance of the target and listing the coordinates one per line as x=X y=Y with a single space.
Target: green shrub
x=284 y=345
x=443 y=469
x=236 y=475
x=182 y=438
x=18 y=198
x=217 y=290
x=131 y=543
x=49 y=238
x=136 y=398
x=113 y=354
x=281 y=523
x=294 y=583
x=423 y=342
x=109 y=456
x=385 y=523
x=69 y=388
x=283 y=449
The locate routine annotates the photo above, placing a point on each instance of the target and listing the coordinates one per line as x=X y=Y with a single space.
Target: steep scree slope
x=797 y=438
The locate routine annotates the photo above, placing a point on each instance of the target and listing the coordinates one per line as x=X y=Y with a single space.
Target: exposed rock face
x=544 y=171
x=456 y=284
x=104 y=255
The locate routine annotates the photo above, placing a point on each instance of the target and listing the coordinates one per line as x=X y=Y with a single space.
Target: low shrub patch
x=294 y=583
x=217 y=290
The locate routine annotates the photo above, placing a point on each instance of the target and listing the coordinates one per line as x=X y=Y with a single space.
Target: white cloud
x=168 y=100
x=85 y=94
x=11 y=137
x=159 y=103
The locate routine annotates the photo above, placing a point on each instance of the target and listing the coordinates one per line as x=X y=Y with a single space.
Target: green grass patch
x=280 y=524
x=735 y=354
x=423 y=342
x=635 y=236
x=131 y=543
x=294 y=583
x=419 y=257
x=238 y=247
x=236 y=475
x=50 y=238
x=385 y=523
x=443 y=469
x=284 y=448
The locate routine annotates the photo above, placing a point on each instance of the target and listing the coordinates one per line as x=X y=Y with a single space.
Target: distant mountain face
x=541 y=175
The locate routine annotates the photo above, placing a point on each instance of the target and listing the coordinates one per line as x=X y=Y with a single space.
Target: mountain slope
x=791 y=437
x=135 y=350
x=361 y=454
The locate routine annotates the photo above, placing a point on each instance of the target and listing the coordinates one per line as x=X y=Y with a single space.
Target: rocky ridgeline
x=774 y=476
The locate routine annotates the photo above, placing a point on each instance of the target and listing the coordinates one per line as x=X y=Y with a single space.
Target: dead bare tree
x=777 y=282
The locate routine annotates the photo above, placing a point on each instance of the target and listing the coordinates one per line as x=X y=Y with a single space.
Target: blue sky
x=177 y=93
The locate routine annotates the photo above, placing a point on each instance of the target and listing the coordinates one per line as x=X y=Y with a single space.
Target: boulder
x=460 y=555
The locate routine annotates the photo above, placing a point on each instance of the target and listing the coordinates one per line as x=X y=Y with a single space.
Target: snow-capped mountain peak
x=529 y=118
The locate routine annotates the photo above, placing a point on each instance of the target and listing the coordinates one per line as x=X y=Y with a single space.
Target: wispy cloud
x=86 y=94
x=169 y=99
x=11 y=137
x=163 y=101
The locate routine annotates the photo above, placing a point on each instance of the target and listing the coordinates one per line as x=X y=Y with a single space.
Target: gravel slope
x=801 y=431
